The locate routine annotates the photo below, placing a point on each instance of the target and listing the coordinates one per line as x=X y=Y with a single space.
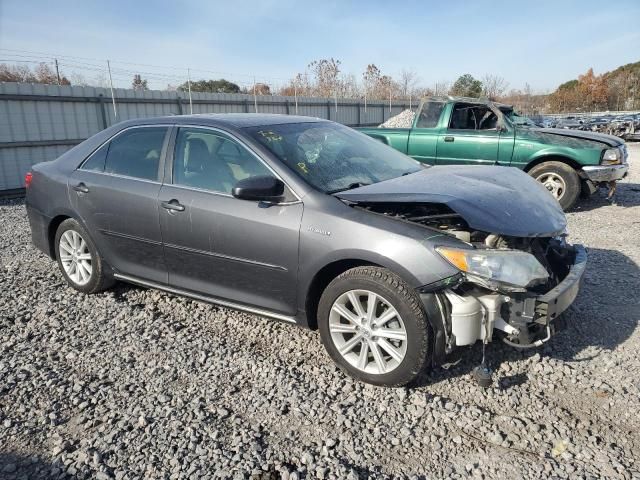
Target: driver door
x=217 y=245
x=470 y=138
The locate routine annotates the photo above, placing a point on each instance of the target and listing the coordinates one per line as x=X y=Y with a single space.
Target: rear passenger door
x=242 y=251
x=115 y=191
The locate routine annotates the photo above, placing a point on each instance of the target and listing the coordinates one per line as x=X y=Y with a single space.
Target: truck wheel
x=561 y=180
x=373 y=325
x=79 y=260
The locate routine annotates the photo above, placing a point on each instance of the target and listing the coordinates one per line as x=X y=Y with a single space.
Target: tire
x=561 y=180
x=74 y=247
x=400 y=357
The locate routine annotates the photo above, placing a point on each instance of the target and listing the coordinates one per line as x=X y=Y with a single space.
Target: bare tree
x=494 y=86
x=441 y=88
x=326 y=72
x=371 y=79
x=408 y=81
x=138 y=83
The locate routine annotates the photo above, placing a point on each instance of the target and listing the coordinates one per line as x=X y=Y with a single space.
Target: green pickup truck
x=454 y=130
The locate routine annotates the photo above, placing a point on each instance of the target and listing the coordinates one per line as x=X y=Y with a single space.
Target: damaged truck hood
x=564 y=133
x=501 y=200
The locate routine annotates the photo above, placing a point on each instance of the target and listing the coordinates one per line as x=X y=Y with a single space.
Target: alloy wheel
x=554 y=183
x=75 y=257
x=368 y=331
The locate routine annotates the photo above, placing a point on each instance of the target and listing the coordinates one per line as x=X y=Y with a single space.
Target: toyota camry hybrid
x=310 y=222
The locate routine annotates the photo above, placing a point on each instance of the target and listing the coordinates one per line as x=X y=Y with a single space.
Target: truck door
x=423 y=137
x=471 y=136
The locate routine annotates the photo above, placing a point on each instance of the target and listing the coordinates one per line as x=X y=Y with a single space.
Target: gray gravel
x=136 y=383
x=403 y=120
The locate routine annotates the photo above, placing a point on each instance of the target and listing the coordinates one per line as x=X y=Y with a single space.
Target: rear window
x=136 y=153
x=430 y=114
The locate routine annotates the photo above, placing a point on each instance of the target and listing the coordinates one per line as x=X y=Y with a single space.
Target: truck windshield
x=332 y=157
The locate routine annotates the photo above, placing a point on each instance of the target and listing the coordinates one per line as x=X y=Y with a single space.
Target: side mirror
x=262 y=188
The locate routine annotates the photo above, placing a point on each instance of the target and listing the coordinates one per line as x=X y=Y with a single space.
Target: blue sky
x=540 y=42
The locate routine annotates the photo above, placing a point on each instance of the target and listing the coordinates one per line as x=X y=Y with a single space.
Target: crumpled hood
x=501 y=200
x=559 y=135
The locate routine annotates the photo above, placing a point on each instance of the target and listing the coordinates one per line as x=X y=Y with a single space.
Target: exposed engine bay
x=473 y=306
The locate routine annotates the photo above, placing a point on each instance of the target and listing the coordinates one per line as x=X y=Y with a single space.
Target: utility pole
x=113 y=99
x=255 y=97
x=57 y=70
x=189 y=84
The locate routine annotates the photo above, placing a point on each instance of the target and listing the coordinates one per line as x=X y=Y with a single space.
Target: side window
x=463 y=117
x=472 y=117
x=208 y=160
x=430 y=115
x=136 y=153
x=96 y=160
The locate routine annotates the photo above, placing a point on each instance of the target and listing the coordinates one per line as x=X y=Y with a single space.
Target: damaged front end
x=509 y=287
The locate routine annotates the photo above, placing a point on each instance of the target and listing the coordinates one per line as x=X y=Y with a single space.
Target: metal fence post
x=103 y=113
x=179 y=100
x=328 y=110
x=246 y=106
x=286 y=104
x=359 y=119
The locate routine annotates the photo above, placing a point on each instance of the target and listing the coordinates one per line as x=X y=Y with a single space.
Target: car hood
x=501 y=200
x=567 y=137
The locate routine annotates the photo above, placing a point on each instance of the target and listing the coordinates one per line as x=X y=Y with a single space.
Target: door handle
x=173 y=206
x=449 y=139
x=81 y=188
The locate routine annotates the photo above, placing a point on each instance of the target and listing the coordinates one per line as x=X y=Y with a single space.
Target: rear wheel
x=79 y=260
x=560 y=180
x=374 y=327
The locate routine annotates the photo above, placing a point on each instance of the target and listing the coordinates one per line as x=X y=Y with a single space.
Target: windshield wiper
x=350 y=187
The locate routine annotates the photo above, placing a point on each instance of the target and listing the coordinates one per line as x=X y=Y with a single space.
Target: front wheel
x=561 y=180
x=373 y=325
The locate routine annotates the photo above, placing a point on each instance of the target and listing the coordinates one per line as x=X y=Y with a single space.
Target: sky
x=542 y=43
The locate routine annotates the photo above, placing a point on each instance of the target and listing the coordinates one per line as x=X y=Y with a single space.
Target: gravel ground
x=403 y=120
x=136 y=383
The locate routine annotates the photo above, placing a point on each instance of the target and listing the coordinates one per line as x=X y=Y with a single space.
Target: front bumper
x=606 y=173
x=536 y=317
x=528 y=319
x=557 y=300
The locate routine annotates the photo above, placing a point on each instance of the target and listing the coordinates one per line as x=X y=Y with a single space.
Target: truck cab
x=459 y=130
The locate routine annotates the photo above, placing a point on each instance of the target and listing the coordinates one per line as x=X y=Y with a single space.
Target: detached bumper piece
x=527 y=320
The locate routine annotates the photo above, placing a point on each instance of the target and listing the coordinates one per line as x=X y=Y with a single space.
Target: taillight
x=27 y=179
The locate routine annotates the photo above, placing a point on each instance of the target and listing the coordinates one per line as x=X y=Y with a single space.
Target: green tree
x=211 y=86
x=466 y=86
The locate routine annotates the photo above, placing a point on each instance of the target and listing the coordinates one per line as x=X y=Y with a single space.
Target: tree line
x=616 y=90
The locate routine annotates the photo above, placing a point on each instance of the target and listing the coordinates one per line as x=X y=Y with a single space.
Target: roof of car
x=237 y=120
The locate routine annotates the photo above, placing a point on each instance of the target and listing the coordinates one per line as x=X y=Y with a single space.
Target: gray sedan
x=310 y=222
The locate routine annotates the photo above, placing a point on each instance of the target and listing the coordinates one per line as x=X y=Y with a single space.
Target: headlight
x=611 y=156
x=516 y=268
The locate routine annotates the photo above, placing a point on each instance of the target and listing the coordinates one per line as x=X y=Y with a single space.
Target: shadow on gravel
x=627 y=195
x=14 y=466
x=605 y=314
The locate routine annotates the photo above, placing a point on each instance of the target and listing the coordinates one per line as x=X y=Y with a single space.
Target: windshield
x=332 y=157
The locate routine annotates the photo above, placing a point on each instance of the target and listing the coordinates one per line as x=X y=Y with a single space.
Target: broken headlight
x=611 y=156
x=516 y=268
